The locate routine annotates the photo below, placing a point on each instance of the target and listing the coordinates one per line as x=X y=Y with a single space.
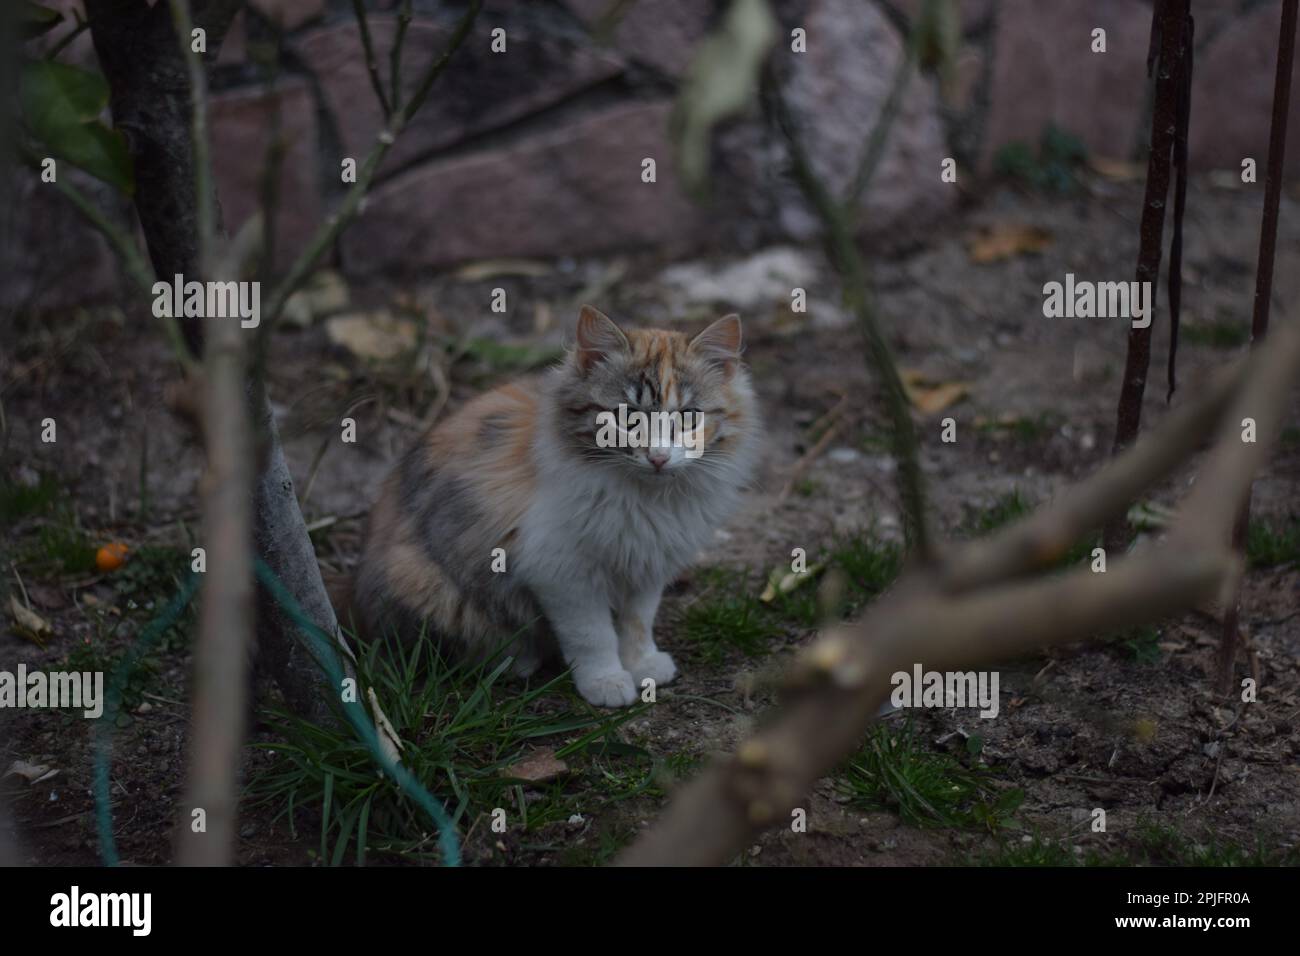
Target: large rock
x=835 y=92
x=573 y=190
x=241 y=127
x=479 y=91
x=1044 y=72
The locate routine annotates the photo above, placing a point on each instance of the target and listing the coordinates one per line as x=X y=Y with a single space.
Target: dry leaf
x=1119 y=170
x=1006 y=241
x=537 y=767
x=31 y=772
x=781 y=581
x=28 y=621
x=372 y=335
x=931 y=397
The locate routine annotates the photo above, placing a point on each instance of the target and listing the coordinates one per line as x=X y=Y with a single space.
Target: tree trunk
x=150 y=101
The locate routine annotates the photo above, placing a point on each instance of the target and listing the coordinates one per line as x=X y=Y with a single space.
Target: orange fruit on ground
x=111 y=556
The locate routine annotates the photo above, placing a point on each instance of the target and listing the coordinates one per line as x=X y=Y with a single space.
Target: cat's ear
x=598 y=337
x=720 y=343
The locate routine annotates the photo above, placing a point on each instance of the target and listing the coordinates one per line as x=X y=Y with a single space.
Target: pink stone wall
x=538 y=151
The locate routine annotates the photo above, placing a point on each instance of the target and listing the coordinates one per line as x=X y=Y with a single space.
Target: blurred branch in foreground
x=977 y=604
x=958 y=619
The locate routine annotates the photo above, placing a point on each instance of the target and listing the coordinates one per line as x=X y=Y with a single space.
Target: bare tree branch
x=1169 y=29
x=844 y=256
x=840 y=680
x=348 y=209
x=1263 y=299
x=1039 y=540
x=372 y=66
x=226 y=613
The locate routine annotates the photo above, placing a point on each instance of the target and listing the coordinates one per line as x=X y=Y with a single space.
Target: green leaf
x=57 y=95
x=61 y=106
x=34 y=19
x=722 y=81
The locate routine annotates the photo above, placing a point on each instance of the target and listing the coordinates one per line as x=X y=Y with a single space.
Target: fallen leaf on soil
x=1006 y=241
x=31 y=772
x=29 y=622
x=781 y=581
x=323 y=294
x=1119 y=170
x=931 y=397
x=538 y=766
x=372 y=335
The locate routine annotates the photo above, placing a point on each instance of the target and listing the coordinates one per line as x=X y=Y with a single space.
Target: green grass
x=1271 y=543
x=895 y=771
x=1013 y=506
x=1162 y=845
x=1148 y=844
x=1050 y=168
x=1043 y=851
x=19 y=501
x=1027 y=430
x=1218 y=334
x=461 y=732
x=806 y=488
x=47 y=538
x=1141 y=644
x=728 y=616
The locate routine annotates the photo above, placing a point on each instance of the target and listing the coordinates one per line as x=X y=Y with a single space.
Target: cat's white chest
x=593 y=529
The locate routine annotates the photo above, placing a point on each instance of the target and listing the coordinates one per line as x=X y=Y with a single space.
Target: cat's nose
x=657 y=458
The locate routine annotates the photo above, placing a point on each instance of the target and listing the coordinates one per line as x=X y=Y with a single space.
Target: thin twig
x=133 y=263
x=82 y=25
x=330 y=230
x=395 y=55
x=879 y=136
x=1168 y=22
x=848 y=262
x=1263 y=299
x=372 y=67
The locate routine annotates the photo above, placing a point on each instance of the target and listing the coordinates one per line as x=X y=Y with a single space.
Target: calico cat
x=512 y=520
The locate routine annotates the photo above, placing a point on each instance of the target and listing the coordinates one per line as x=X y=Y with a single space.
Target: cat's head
x=657 y=403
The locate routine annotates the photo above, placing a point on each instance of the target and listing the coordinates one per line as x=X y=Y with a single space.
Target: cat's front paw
x=657 y=666
x=606 y=689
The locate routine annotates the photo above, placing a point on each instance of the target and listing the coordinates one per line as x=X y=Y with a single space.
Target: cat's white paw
x=607 y=689
x=657 y=666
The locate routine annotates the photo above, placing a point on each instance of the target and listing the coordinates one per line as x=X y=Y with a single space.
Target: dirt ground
x=1139 y=734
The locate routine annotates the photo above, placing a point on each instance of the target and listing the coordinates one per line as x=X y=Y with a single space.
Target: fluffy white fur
x=600 y=543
